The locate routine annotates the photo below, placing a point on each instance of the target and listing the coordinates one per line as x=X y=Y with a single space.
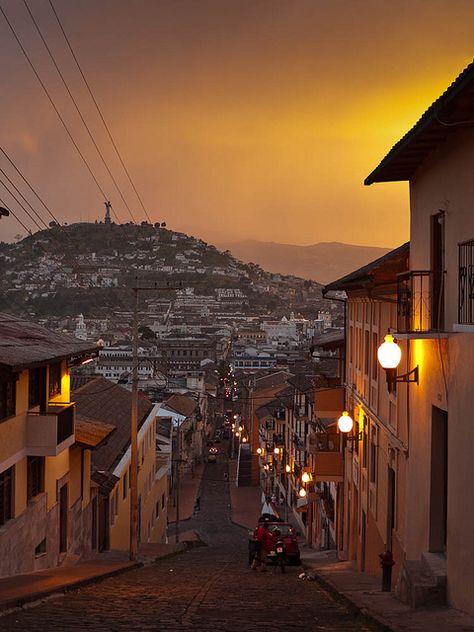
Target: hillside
x=323 y=262
x=91 y=268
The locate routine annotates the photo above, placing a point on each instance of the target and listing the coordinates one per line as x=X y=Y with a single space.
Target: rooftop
x=382 y=271
x=25 y=344
x=449 y=113
x=104 y=402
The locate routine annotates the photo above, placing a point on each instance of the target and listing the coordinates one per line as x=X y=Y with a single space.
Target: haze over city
x=237 y=119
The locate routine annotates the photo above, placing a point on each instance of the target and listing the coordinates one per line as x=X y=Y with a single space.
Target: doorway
x=439 y=481
x=390 y=507
x=363 y=536
x=63 y=496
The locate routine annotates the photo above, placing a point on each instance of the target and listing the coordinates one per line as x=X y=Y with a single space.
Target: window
x=6 y=495
x=125 y=485
x=7 y=399
x=163 y=501
x=36 y=384
x=157 y=509
x=35 y=476
x=364 y=443
x=55 y=379
x=375 y=365
x=373 y=454
x=366 y=352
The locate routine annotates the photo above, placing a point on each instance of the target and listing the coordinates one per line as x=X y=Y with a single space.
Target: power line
x=2 y=150
x=15 y=216
x=77 y=107
x=71 y=138
x=20 y=204
x=23 y=197
x=109 y=133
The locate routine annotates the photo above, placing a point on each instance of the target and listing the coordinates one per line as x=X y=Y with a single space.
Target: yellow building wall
x=150 y=491
x=55 y=468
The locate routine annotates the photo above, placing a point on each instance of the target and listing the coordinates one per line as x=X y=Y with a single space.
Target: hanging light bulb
x=345 y=423
x=389 y=353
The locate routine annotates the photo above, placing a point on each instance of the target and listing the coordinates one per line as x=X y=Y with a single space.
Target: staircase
x=423 y=582
x=244 y=466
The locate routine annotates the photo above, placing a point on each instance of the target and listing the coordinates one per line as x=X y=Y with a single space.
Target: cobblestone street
x=208 y=588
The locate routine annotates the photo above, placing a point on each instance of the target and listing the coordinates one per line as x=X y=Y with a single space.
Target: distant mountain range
x=323 y=262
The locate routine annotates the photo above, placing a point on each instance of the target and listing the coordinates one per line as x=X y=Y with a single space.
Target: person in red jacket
x=265 y=543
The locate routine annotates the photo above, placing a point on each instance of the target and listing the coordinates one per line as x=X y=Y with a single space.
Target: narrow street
x=208 y=588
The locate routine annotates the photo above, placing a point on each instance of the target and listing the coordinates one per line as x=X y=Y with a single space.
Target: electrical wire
x=23 y=197
x=53 y=105
x=14 y=215
x=109 y=133
x=91 y=136
x=21 y=205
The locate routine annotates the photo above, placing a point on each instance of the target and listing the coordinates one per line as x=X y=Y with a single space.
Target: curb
x=350 y=604
x=14 y=604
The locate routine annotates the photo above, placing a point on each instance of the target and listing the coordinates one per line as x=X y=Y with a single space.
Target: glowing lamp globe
x=389 y=353
x=287 y=469
x=305 y=477
x=345 y=423
x=259 y=450
x=276 y=450
x=302 y=492
x=244 y=440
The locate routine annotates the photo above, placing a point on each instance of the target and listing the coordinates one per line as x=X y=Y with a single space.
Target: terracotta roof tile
x=91 y=433
x=103 y=401
x=24 y=344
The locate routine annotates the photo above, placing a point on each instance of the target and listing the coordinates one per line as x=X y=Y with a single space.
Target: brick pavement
x=210 y=588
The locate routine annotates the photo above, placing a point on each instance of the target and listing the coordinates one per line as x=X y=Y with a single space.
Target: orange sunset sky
x=237 y=118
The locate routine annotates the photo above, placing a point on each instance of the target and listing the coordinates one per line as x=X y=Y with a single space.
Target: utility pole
x=134 y=421
x=178 y=467
x=134 y=437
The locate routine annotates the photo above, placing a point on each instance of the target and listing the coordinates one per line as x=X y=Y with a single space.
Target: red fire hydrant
x=386 y=561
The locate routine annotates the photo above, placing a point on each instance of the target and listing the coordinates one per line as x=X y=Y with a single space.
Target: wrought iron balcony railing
x=466 y=283
x=420 y=301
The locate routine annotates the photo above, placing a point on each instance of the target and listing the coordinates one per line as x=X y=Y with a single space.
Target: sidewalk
x=188 y=492
x=18 y=590
x=362 y=592
x=246 y=502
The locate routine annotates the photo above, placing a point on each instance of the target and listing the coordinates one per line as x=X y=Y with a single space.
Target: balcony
x=327 y=457
x=323 y=442
x=420 y=302
x=466 y=283
x=49 y=433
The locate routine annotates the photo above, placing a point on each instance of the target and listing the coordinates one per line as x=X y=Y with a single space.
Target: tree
x=146 y=333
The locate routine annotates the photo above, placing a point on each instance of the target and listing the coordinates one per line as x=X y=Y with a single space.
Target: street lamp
x=345 y=423
x=302 y=493
x=287 y=468
x=305 y=478
x=389 y=355
x=276 y=451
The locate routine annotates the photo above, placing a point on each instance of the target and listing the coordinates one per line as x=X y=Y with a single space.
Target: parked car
x=212 y=458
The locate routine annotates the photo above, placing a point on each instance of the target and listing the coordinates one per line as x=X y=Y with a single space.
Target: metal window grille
x=466 y=283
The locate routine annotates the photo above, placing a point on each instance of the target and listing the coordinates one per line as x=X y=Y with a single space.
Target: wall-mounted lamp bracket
x=411 y=376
